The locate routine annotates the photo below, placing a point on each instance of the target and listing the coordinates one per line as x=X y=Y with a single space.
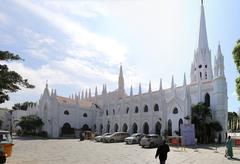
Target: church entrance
x=145 y=128
x=67 y=129
x=125 y=128
x=134 y=128
x=158 y=127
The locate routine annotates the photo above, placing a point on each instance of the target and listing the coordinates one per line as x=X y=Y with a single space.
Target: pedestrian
x=162 y=151
x=229 y=151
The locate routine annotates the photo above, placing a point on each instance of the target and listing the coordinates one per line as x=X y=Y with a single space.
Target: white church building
x=150 y=112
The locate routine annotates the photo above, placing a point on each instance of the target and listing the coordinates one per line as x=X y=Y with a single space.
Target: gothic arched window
x=207 y=99
x=127 y=110
x=66 y=112
x=107 y=112
x=145 y=108
x=201 y=75
x=156 y=107
x=136 y=109
x=175 y=111
x=84 y=114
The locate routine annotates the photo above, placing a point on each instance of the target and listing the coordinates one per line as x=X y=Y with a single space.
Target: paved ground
x=71 y=151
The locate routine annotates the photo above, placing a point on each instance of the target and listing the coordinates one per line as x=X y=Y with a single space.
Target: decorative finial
x=202 y=2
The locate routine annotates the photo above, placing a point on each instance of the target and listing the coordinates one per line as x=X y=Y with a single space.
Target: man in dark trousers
x=162 y=151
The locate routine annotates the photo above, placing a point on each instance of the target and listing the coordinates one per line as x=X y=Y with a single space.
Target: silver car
x=100 y=138
x=150 y=140
x=116 y=137
x=134 y=138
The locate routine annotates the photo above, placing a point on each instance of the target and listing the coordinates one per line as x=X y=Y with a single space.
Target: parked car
x=116 y=137
x=150 y=140
x=134 y=138
x=100 y=138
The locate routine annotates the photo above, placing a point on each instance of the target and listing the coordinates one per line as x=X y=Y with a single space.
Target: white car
x=100 y=138
x=150 y=140
x=134 y=138
x=116 y=137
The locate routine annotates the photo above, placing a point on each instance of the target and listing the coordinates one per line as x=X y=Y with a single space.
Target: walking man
x=162 y=151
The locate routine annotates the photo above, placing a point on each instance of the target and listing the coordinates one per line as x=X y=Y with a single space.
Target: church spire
x=121 y=80
x=202 y=40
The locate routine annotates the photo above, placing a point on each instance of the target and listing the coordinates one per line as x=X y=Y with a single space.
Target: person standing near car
x=162 y=151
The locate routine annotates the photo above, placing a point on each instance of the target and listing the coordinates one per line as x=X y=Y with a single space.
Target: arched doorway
x=67 y=129
x=169 y=127
x=108 y=128
x=145 y=128
x=101 y=129
x=207 y=99
x=179 y=125
x=85 y=127
x=158 y=127
x=134 y=128
x=125 y=127
x=115 y=127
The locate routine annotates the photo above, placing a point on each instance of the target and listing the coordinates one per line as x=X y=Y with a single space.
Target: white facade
x=149 y=112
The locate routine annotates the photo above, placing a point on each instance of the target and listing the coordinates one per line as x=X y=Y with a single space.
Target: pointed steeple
x=219 y=52
x=131 y=91
x=89 y=93
x=202 y=40
x=184 y=80
x=140 y=89
x=160 y=85
x=96 y=92
x=82 y=95
x=105 y=88
x=121 y=80
x=150 y=87
x=172 y=86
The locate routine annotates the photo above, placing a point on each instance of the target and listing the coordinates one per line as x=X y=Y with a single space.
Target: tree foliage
x=205 y=127
x=23 y=106
x=236 y=58
x=10 y=81
x=30 y=123
x=233 y=121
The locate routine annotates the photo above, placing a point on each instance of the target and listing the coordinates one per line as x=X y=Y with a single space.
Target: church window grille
x=156 y=107
x=145 y=108
x=179 y=126
x=66 y=112
x=145 y=128
x=136 y=109
x=175 y=111
x=85 y=115
x=169 y=127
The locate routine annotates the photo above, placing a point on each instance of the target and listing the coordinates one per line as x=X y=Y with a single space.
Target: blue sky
x=77 y=45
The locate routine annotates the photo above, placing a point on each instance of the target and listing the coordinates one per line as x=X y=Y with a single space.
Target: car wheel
x=111 y=140
x=151 y=145
x=2 y=159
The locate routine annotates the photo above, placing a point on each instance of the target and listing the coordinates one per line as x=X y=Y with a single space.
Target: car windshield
x=135 y=135
x=5 y=138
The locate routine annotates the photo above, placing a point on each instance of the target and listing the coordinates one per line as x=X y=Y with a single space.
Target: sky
x=76 y=45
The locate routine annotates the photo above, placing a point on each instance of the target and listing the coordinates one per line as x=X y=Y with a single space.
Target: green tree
x=236 y=58
x=23 y=106
x=10 y=81
x=205 y=127
x=30 y=124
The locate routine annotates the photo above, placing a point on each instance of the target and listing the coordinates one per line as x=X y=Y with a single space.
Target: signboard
x=188 y=134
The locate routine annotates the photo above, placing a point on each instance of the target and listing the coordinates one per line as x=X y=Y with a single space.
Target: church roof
x=65 y=100
x=68 y=101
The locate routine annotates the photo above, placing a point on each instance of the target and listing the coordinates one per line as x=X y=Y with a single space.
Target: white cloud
x=78 y=34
